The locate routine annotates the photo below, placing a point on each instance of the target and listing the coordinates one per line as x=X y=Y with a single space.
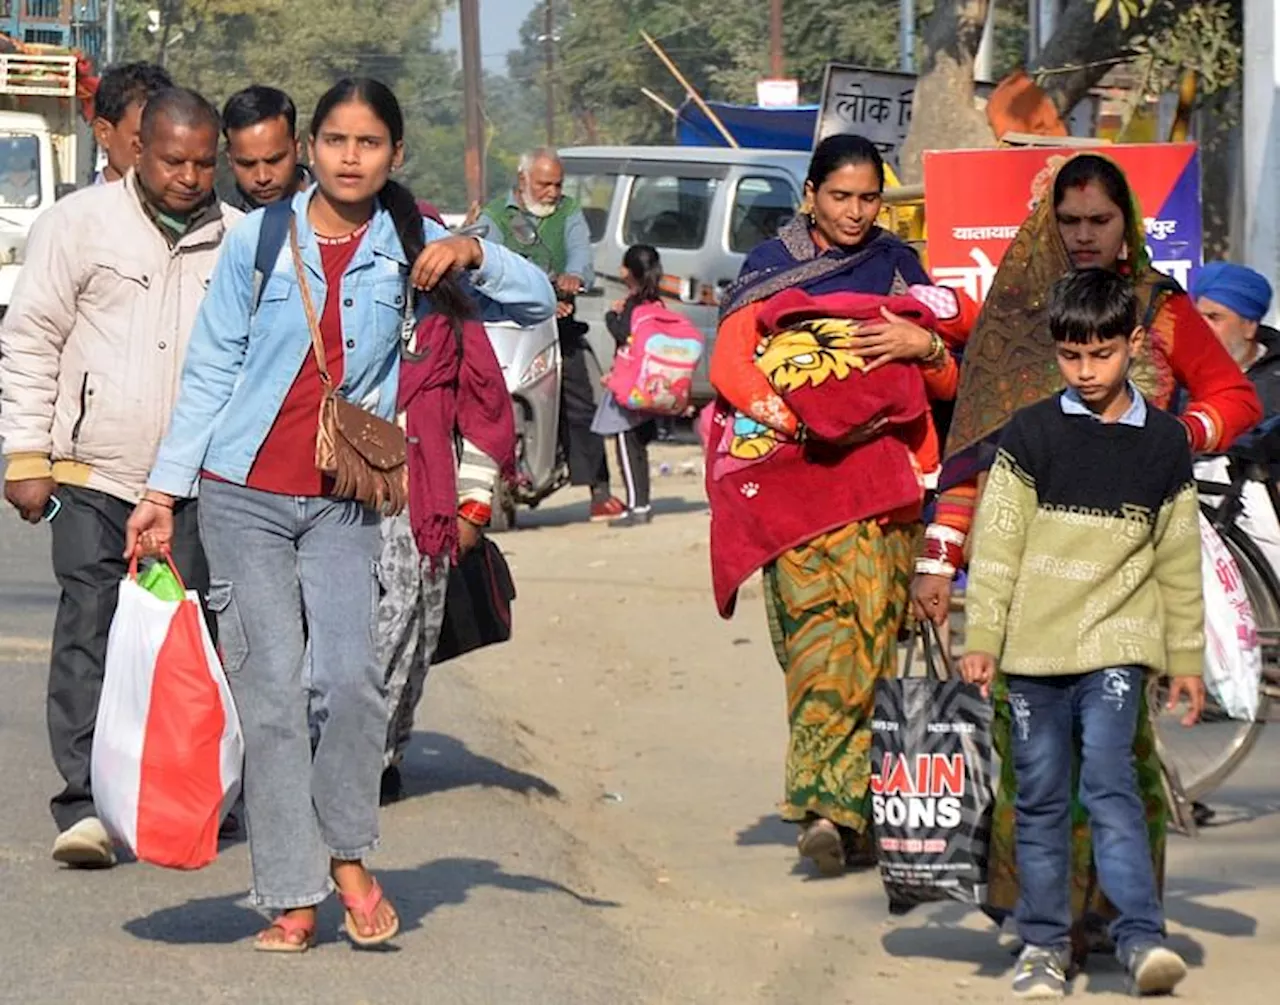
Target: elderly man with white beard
x=538 y=222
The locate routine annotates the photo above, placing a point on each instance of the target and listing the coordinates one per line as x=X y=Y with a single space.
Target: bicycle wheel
x=1206 y=755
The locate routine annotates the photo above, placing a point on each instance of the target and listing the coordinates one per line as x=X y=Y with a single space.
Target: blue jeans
x=1049 y=713
x=286 y=571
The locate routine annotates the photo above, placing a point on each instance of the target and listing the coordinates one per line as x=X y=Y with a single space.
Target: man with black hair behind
x=260 y=124
x=91 y=349
x=122 y=93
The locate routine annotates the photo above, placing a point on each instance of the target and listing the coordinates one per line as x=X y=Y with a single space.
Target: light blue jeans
x=285 y=571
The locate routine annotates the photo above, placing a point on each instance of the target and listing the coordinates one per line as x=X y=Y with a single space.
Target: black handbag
x=478 y=595
x=477 y=605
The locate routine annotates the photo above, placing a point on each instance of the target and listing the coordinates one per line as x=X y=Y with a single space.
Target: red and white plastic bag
x=167 y=747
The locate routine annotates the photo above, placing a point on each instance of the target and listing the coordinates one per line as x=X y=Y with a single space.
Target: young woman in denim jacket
x=291 y=564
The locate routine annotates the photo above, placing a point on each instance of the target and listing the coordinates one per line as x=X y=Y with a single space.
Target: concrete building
x=72 y=24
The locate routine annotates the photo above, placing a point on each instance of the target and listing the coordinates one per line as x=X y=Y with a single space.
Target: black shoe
x=392 y=790
x=633 y=518
x=230 y=829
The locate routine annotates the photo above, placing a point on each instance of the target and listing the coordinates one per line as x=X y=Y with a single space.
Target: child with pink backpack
x=652 y=375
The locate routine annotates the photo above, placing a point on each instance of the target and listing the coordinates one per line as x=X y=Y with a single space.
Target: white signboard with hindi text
x=873 y=103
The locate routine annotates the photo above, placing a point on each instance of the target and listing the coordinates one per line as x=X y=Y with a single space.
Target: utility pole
x=111 y=32
x=907 y=36
x=469 y=24
x=1042 y=18
x=775 y=39
x=549 y=40
x=984 y=62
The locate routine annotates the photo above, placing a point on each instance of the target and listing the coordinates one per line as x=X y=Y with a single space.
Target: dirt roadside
x=663 y=728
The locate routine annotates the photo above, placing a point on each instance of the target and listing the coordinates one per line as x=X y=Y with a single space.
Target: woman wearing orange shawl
x=1087 y=218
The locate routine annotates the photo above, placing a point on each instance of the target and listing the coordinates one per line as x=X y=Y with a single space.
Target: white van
x=703 y=208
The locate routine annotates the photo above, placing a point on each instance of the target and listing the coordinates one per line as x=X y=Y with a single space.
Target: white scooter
x=531 y=363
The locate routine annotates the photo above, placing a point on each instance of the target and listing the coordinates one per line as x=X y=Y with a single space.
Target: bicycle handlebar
x=1260 y=445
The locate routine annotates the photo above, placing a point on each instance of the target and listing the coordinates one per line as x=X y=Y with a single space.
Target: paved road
x=680 y=885
x=494 y=907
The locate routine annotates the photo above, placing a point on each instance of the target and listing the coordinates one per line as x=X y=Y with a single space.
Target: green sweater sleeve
x=1177 y=572
x=1004 y=516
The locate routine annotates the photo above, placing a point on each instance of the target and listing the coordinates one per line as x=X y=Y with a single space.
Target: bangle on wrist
x=162 y=503
x=935 y=567
x=942 y=553
x=476 y=513
x=937 y=353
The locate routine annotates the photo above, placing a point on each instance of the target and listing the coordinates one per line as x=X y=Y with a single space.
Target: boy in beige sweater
x=1085 y=577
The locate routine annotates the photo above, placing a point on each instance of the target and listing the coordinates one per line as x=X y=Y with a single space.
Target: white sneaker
x=85 y=845
x=1155 y=970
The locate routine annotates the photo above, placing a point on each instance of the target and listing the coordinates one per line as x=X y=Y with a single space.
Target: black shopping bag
x=932 y=783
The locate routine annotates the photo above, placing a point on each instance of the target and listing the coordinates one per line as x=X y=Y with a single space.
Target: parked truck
x=46 y=147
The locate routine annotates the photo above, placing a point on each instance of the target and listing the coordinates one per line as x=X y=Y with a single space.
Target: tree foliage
x=602 y=63
x=1126 y=11
x=304 y=46
x=1091 y=38
x=1204 y=38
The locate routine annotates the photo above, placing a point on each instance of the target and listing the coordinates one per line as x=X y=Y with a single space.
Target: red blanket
x=769 y=494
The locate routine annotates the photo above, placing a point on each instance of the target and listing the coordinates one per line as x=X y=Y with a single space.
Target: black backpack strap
x=271 y=237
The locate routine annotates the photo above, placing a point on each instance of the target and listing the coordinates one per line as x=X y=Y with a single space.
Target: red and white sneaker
x=607 y=509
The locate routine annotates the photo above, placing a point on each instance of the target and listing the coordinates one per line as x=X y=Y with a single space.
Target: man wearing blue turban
x=1234 y=299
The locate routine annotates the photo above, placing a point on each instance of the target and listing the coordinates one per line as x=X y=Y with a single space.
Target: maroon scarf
x=441 y=395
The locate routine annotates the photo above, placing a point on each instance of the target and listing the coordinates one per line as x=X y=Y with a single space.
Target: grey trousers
x=285 y=571
x=409 y=619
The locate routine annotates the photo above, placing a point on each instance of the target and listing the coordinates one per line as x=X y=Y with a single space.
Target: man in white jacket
x=91 y=351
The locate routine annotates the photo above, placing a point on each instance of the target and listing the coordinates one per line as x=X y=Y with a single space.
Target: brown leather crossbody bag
x=364 y=455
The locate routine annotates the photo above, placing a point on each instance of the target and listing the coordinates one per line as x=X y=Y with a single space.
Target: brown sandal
x=821 y=842
x=365 y=906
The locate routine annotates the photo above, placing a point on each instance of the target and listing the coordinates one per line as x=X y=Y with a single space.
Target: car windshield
x=19 y=171
x=669 y=211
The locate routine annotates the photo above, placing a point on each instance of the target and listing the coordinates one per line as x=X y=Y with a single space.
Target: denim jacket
x=240 y=365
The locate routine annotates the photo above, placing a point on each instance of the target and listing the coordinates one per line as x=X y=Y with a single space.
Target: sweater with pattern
x=1087 y=552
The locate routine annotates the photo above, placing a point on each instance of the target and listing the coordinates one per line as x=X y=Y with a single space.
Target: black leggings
x=585 y=450
x=633 y=462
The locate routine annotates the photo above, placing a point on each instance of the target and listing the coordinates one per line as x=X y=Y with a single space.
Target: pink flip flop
x=290 y=926
x=365 y=907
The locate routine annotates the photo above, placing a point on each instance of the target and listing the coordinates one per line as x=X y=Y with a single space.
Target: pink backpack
x=653 y=372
